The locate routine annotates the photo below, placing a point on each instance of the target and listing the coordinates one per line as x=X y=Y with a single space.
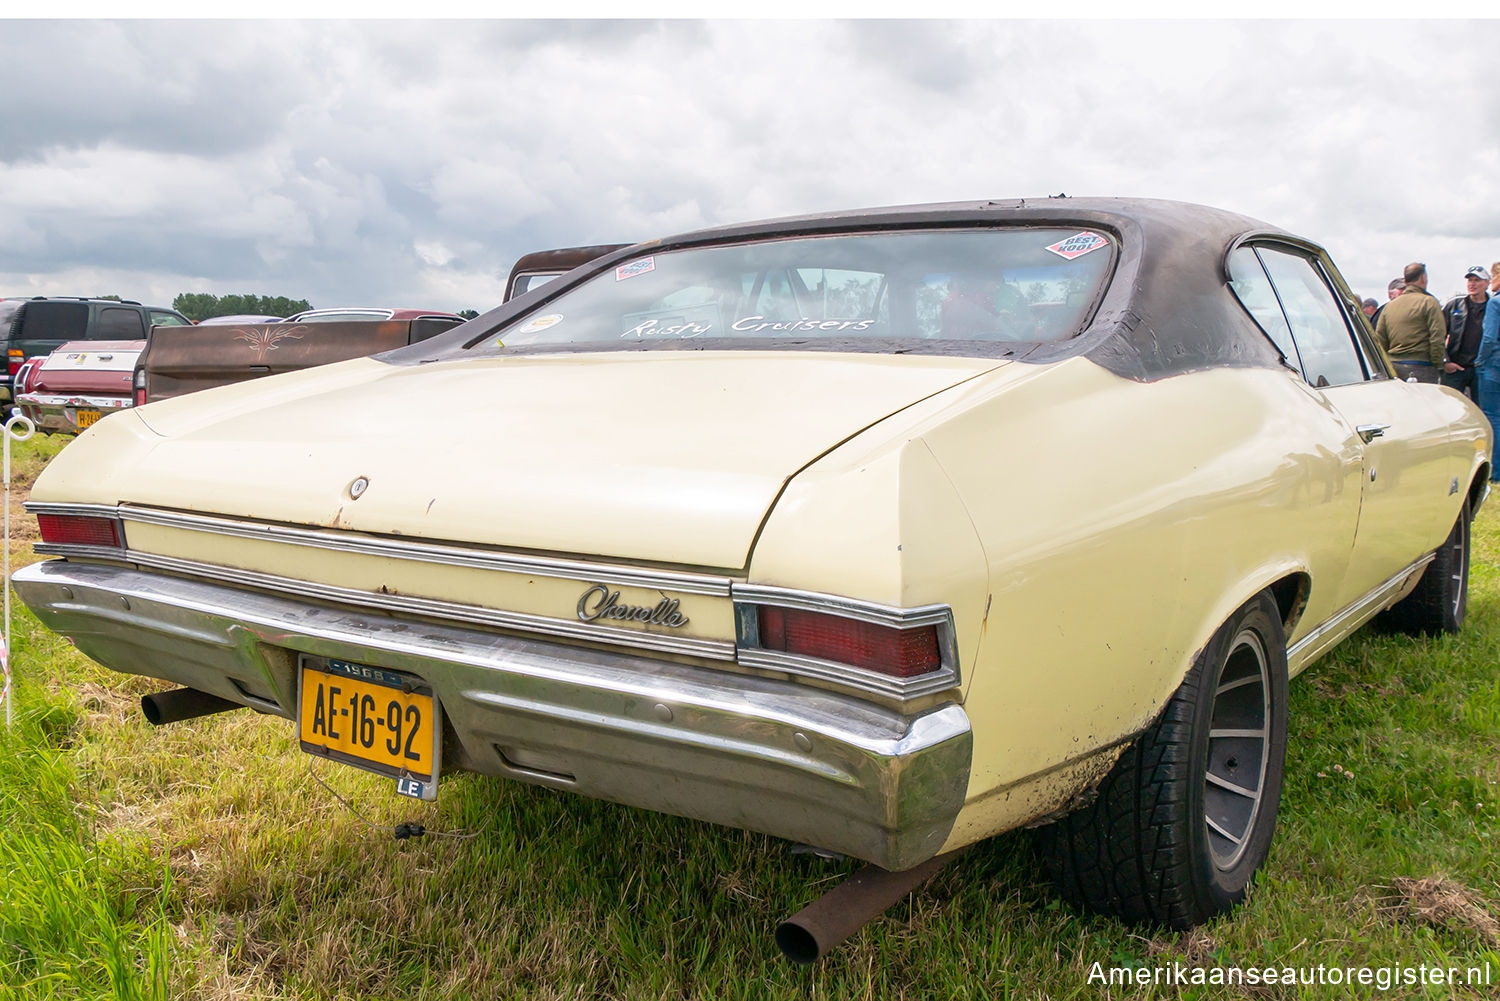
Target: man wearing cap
x=1411 y=330
x=1391 y=291
x=1487 y=364
x=1465 y=321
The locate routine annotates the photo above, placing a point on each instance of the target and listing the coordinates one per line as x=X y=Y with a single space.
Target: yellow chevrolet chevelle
x=881 y=531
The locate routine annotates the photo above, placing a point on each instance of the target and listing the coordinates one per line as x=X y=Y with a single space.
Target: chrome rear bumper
x=765 y=755
x=60 y=413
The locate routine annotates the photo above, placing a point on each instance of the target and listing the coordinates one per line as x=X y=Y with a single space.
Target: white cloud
x=381 y=162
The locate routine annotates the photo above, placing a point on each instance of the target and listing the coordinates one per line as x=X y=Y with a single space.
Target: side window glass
x=118 y=323
x=55 y=321
x=1249 y=282
x=1318 y=325
x=160 y=319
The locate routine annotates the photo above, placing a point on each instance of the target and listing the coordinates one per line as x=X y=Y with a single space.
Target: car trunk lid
x=659 y=457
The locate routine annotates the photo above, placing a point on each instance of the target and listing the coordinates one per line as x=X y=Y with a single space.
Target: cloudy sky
x=410 y=163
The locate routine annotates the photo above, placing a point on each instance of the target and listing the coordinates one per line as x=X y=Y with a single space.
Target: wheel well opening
x=1290 y=593
x=1477 y=488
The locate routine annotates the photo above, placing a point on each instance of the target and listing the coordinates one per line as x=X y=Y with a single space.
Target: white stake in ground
x=19 y=429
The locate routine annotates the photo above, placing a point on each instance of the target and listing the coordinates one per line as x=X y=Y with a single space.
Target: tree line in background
x=198 y=306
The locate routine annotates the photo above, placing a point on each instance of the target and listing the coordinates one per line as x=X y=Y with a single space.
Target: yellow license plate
x=372 y=718
x=86 y=418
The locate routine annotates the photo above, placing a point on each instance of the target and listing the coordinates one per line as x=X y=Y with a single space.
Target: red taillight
x=79 y=530
x=899 y=653
x=138 y=386
x=17 y=358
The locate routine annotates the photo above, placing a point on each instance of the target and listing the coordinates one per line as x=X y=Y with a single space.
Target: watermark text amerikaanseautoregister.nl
x=1379 y=977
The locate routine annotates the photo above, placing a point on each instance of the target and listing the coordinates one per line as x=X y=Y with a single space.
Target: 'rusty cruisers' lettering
x=599 y=602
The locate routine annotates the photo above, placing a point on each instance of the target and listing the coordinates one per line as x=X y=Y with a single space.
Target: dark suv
x=37 y=326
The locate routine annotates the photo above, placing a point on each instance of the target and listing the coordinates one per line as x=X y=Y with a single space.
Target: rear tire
x=1441 y=598
x=1184 y=820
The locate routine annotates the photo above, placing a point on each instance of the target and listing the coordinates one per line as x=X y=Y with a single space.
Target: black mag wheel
x=1184 y=819
x=1441 y=598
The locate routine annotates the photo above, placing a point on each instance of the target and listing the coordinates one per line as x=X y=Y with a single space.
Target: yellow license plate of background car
x=86 y=418
x=368 y=717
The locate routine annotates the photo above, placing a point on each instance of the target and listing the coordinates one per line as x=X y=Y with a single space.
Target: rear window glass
x=993 y=285
x=525 y=283
x=55 y=321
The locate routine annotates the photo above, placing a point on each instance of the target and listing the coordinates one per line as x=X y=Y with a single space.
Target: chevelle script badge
x=599 y=602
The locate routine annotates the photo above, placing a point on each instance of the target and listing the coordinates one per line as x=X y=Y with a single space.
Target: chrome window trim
x=435 y=608
x=749 y=653
x=423 y=552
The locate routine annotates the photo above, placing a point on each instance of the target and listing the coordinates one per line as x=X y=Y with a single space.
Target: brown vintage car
x=180 y=360
x=537 y=269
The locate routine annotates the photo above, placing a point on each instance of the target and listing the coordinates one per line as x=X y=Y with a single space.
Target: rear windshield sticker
x=651 y=328
x=634 y=268
x=755 y=324
x=540 y=323
x=1078 y=245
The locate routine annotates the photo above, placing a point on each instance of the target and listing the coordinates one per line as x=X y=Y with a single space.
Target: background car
x=881 y=531
x=74 y=386
x=345 y=313
x=214 y=321
x=536 y=269
x=39 y=325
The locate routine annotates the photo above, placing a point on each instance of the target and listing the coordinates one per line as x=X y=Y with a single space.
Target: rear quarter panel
x=1122 y=522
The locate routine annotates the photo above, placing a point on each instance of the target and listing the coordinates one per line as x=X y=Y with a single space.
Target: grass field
x=208 y=860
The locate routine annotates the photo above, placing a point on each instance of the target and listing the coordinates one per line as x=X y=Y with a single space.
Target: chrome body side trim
x=423 y=552
x=1326 y=635
x=405 y=604
x=849 y=676
x=78 y=550
x=865 y=611
x=755 y=753
x=88 y=510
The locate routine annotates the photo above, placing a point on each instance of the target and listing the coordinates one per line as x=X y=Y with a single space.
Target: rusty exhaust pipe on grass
x=818 y=928
x=184 y=703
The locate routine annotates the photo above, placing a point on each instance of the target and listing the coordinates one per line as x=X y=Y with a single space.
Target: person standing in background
x=1411 y=330
x=1487 y=363
x=1464 y=316
x=1391 y=291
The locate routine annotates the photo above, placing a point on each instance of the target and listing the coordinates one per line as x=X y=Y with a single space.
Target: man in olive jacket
x=1411 y=329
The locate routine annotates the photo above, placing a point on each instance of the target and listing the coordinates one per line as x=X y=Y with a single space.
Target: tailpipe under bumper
x=818 y=928
x=183 y=703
